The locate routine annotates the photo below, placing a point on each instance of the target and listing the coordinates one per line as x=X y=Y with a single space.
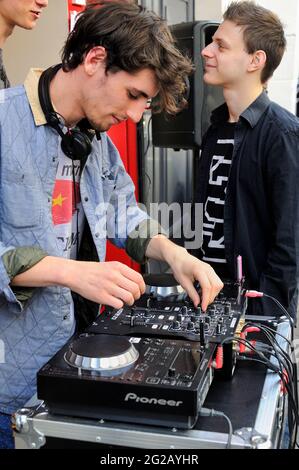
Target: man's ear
x=95 y=58
x=258 y=61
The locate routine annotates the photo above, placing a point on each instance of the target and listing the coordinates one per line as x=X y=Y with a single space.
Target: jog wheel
x=101 y=353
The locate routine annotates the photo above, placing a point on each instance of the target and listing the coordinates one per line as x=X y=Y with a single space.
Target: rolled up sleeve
x=16 y=261
x=140 y=237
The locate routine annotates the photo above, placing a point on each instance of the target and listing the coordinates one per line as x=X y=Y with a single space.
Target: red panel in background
x=124 y=137
x=74 y=7
x=71 y=8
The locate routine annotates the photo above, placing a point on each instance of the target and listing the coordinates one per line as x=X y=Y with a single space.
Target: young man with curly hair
x=58 y=208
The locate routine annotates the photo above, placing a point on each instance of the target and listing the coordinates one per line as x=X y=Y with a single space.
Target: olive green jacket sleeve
x=18 y=261
x=21 y=259
x=140 y=237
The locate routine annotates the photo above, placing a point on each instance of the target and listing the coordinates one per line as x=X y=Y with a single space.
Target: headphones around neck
x=76 y=142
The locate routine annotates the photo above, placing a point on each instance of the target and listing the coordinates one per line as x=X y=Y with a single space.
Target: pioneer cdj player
x=152 y=363
x=142 y=380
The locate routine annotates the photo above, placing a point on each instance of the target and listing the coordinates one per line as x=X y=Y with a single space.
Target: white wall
x=37 y=48
x=41 y=47
x=282 y=86
x=208 y=10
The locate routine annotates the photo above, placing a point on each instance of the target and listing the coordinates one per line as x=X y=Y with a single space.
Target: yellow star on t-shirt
x=58 y=200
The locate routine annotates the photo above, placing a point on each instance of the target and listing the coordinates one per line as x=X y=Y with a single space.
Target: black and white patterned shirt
x=213 y=217
x=4 y=82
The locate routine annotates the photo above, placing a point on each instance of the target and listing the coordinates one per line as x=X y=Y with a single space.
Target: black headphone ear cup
x=76 y=145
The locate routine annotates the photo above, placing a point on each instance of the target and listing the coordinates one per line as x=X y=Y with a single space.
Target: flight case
x=253 y=400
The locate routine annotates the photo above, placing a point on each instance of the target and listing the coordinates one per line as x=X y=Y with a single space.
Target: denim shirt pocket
x=21 y=200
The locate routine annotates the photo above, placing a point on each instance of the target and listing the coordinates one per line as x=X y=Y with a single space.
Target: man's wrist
x=172 y=252
x=168 y=249
x=63 y=271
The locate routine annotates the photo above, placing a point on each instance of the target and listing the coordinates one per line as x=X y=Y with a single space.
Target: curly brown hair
x=135 y=39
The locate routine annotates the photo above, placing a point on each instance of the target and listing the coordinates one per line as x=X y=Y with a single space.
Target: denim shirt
x=29 y=151
x=261 y=212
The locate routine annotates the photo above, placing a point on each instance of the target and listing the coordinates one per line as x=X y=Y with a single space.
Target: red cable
x=253 y=293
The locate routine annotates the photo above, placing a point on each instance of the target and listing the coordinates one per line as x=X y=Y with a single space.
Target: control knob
x=176 y=325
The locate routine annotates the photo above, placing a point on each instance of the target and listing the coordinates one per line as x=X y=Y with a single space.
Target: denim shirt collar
x=31 y=88
x=251 y=114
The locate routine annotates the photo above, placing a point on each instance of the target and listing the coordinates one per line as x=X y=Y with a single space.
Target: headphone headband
x=76 y=143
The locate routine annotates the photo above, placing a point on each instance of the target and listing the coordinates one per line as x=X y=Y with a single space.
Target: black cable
x=274 y=343
x=258 y=325
x=149 y=187
x=283 y=365
x=293 y=368
x=286 y=366
x=292 y=409
x=209 y=412
x=76 y=209
x=245 y=342
x=291 y=320
x=292 y=371
x=144 y=155
x=265 y=360
x=148 y=137
x=289 y=366
x=290 y=421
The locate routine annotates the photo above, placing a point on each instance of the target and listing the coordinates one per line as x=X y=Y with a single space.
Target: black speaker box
x=185 y=130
